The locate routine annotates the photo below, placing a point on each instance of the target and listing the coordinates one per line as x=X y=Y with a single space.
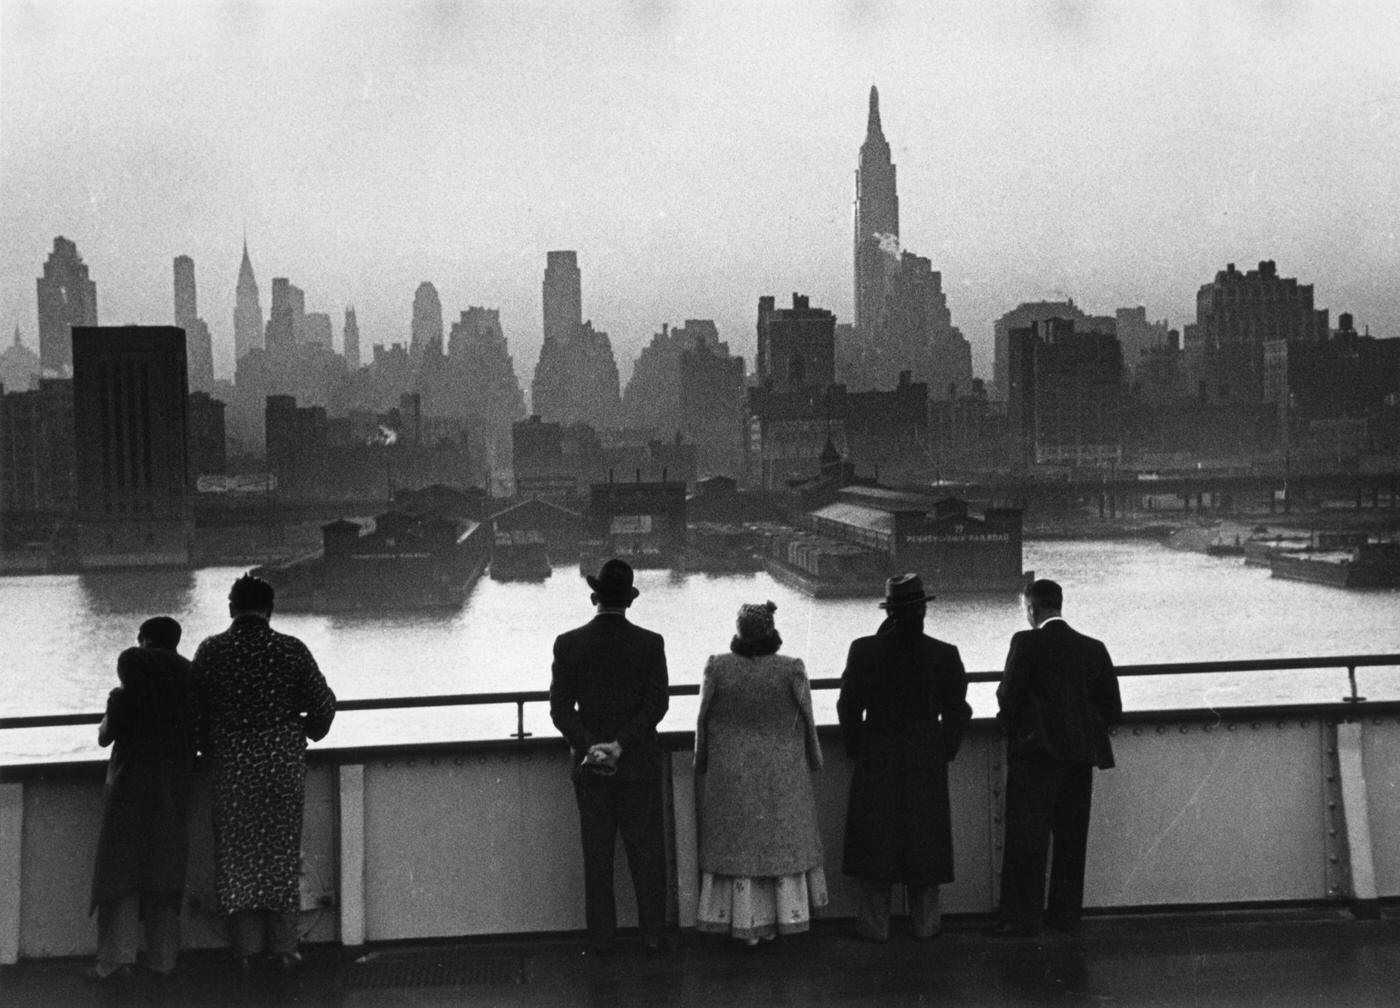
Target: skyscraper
x=352 y=341
x=563 y=295
x=130 y=419
x=247 y=310
x=877 y=221
x=67 y=298
x=199 y=348
x=427 y=321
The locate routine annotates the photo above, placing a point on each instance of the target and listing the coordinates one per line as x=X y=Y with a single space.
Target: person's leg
x=161 y=912
x=1030 y=790
x=925 y=915
x=245 y=932
x=283 y=931
x=1070 y=830
x=872 y=910
x=118 y=933
x=640 y=819
x=598 y=829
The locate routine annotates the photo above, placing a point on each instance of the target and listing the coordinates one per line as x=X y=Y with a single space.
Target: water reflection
x=137 y=593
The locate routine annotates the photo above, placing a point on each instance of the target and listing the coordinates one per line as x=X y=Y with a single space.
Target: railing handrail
x=521 y=697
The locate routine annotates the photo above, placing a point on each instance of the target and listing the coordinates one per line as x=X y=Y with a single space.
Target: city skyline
x=696 y=160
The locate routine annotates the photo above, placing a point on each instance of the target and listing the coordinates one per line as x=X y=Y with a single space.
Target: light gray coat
x=756 y=745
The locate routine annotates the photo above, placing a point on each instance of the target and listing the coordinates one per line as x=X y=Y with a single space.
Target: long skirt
x=760 y=907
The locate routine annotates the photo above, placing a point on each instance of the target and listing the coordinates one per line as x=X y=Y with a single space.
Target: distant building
x=352 y=341
x=37 y=450
x=288 y=305
x=712 y=406
x=208 y=438
x=481 y=377
x=1025 y=314
x=199 y=346
x=796 y=346
x=563 y=295
x=130 y=388
x=247 y=310
x=67 y=298
x=1066 y=390
x=1138 y=337
x=427 y=322
x=19 y=367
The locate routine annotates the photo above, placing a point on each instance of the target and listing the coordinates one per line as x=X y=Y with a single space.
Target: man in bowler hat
x=607 y=694
x=903 y=710
x=1056 y=701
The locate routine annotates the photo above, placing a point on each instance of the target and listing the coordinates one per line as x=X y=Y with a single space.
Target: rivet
x=1184 y=729
x=1254 y=726
x=1161 y=729
x=1137 y=731
x=1333 y=859
x=1231 y=726
x=1331 y=778
x=1208 y=728
x=1303 y=724
x=1331 y=752
x=1331 y=804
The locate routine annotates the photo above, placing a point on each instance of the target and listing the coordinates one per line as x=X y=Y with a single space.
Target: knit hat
x=755 y=621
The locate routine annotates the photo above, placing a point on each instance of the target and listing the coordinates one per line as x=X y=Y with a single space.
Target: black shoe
x=1005 y=929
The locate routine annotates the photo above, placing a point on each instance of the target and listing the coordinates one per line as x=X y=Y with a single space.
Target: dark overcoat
x=903 y=710
x=756 y=744
x=150 y=723
x=608 y=684
x=261 y=697
x=1059 y=695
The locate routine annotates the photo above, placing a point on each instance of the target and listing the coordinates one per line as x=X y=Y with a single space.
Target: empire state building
x=877 y=222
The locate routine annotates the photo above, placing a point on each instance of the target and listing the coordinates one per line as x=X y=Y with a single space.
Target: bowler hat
x=904 y=590
x=614 y=581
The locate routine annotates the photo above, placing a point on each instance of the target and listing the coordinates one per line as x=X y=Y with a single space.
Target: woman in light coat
x=755 y=751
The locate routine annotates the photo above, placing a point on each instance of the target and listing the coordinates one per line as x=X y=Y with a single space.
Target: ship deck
x=1275 y=957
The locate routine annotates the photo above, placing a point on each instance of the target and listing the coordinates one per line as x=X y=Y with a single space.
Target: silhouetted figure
x=261 y=697
x=1056 y=701
x=756 y=747
x=903 y=709
x=142 y=849
x=607 y=694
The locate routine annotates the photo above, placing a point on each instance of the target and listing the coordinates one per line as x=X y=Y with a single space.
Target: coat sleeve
x=656 y=698
x=702 y=734
x=1012 y=686
x=317 y=700
x=116 y=719
x=563 y=702
x=954 y=711
x=802 y=694
x=850 y=705
x=1103 y=689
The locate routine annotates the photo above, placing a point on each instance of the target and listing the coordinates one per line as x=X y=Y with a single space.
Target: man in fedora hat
x=607 y=694
x=903 y=709
x=1056 y=700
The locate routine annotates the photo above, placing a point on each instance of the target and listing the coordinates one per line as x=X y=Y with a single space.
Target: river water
x=1148 y=603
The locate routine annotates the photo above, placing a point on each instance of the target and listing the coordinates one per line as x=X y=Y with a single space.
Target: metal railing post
x=520 y=731
x=1351 y=677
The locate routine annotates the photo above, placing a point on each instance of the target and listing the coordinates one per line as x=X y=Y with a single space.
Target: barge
x=1369 y=565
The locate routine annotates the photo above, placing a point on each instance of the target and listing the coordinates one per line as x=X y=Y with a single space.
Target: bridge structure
x=1271 y=806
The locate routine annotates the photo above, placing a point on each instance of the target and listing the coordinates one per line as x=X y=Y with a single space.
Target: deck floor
x=1267 y=958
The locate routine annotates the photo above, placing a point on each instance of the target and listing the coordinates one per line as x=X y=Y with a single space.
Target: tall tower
x=563 y=295
x=199 y=349
x=877 y=221
x=352 y=341
x=67 y=298
x=427 y=320
x=247 y=310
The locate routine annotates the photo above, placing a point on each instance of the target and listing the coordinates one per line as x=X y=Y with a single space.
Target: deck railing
x=520 y=698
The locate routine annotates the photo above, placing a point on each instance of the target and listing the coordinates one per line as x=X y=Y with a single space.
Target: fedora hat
x=903 y=590
x=614 y=581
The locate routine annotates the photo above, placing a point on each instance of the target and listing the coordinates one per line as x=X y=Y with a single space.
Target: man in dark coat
x=903 y=709
x=1056 y=701
x=607 y=694
x=261 y=697
x=139 y=874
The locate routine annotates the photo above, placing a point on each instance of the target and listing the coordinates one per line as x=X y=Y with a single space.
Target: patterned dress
x=261 y=696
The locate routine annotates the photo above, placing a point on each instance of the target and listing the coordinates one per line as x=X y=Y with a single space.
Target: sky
x=697 y=155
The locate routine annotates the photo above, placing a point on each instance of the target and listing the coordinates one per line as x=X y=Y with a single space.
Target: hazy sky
x=697 y=155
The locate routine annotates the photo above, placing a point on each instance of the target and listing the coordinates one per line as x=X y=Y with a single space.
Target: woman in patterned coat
x=261 y=697
x=756 y=749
